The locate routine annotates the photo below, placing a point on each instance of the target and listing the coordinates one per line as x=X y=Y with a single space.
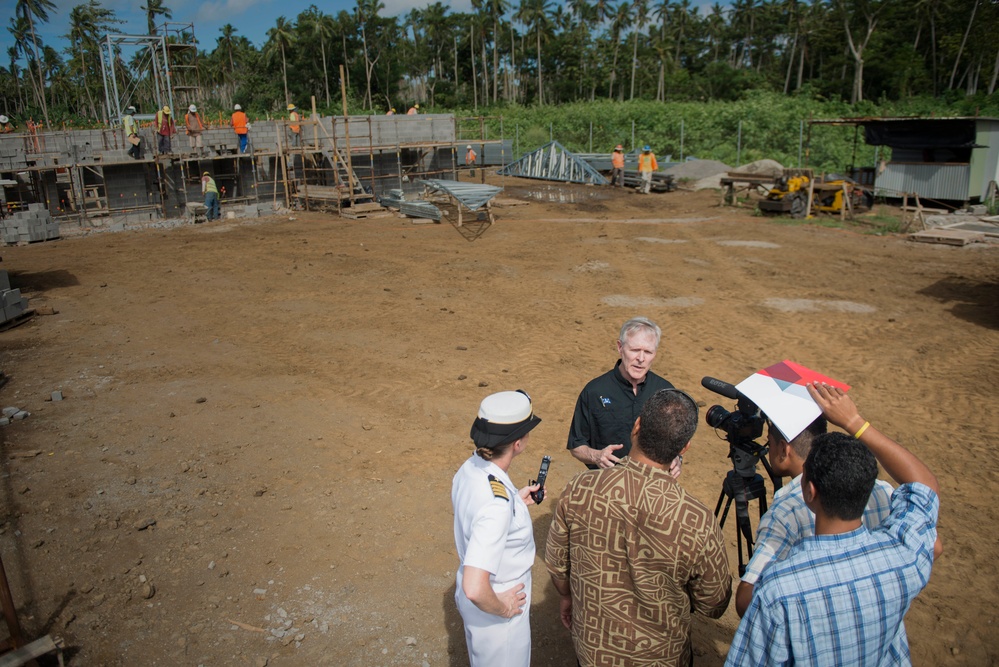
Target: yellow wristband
x=861 y=431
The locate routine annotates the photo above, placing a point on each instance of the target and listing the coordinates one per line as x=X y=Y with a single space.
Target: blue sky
x=252 y=18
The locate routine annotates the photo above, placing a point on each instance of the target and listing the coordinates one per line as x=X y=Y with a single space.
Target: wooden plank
x=957 y=237
x=28 y=652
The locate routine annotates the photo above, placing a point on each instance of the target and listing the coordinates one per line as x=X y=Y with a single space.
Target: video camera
x=741 y=426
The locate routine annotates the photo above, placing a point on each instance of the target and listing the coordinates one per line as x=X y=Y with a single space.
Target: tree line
x=529 y=53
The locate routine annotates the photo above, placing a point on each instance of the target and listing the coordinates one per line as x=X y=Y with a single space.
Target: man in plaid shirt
x=840 y=597
x=789 y=520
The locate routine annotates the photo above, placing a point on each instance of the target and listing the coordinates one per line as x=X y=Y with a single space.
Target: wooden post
x=315 y=120
x=905 y=211
x=305 y=179
x=9 y=610
x=811 y=196
x=846 y=202
x=284 y=171
x=346 y=137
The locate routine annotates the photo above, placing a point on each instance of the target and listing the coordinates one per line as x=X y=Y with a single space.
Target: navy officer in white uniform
x=494 y=535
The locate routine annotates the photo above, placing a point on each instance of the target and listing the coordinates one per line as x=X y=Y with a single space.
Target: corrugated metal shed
x=926 y=162
x=930 y=181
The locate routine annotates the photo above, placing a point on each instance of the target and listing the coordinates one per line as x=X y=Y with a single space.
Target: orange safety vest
x=412 y=111
x=617 y=160
x=239 y=122
x=293 y=116
x=647 y=162
x=470 y=156
x=193 y=129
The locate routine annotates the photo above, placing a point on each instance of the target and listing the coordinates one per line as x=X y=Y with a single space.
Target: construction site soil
x=252 y=460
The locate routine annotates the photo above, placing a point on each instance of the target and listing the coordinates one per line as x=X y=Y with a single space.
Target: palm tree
x=30 y=10
x=621 y=20
x=13 y=54
x=320 y=25
x=641 y=9
x=534 y=14
x=153 y=9
x=279 y=39
x=367 y=11
x=497 y=8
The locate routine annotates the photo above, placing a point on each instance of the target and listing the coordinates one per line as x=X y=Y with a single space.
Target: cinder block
x=4 y=281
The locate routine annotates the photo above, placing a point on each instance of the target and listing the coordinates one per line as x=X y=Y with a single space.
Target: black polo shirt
x=607 y=408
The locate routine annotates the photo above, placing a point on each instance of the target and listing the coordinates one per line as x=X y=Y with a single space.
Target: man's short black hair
x=843 y=472
x=669 y=420
x=803 y=442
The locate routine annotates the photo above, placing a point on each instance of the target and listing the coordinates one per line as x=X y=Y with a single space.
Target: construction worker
x=165 y=128
x=617 y=164
x=390 y=112
x=295 y=128
x=241 y=126
x=192 y=120
x=413 y=110
x=132 y=133
x=470 y=156
x=211 y=193
x=646 y=165
x=5 y=125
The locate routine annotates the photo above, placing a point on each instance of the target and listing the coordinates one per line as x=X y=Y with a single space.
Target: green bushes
x=772 y=125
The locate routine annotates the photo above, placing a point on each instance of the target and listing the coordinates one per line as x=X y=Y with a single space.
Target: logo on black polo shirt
x=604 y=401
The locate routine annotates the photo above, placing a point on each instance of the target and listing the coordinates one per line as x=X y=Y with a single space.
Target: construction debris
x=554 y=162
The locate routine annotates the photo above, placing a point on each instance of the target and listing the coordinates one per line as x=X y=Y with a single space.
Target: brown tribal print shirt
x=640 y=555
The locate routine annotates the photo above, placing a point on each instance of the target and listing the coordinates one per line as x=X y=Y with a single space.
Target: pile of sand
x=760 y=167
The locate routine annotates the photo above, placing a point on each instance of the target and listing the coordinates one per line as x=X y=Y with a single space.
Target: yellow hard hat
x=166 y=109
x=291 y=107
x=207 y=174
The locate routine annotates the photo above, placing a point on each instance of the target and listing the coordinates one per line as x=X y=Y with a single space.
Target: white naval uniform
x=496 y=535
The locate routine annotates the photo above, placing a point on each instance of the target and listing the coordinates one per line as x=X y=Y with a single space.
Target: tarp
x=553 y=162
x=925 y=133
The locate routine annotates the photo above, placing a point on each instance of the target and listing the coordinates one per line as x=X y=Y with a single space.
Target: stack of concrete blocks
x=35 y=224
x=257 y=210
x=12 y=304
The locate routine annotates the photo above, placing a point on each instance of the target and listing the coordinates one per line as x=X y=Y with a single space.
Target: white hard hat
x=192 y=108
x=469 y=146
x=4 y=119
x=237 y=108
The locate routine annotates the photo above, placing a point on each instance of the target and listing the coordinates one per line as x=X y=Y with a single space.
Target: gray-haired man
x=600 y=433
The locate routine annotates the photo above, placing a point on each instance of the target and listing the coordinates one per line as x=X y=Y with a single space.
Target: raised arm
x=903 y=466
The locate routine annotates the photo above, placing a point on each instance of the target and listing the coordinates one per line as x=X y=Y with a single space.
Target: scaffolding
x=340 y=164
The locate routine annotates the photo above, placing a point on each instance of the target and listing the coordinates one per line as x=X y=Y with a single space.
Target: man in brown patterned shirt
x=632 y=554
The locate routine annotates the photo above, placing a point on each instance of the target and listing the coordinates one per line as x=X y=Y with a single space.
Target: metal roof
x=472 y=195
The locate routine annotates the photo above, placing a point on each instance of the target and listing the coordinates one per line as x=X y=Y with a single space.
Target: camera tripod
x=741 y=490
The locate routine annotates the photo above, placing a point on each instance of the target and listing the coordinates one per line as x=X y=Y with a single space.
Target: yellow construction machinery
x=829 y=194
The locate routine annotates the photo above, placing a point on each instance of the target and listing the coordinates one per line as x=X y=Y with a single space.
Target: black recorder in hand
x=539 y=495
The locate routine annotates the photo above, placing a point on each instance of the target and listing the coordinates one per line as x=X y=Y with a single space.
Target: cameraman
x=789 y=520
x=841 y=595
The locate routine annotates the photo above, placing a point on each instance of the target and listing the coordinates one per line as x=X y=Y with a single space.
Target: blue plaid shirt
x=840 y=599
x=789 y=520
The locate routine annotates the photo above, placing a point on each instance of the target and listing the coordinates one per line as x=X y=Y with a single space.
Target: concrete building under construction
x=343 y=162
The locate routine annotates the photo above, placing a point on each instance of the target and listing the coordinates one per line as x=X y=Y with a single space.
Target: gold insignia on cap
x=499 y=489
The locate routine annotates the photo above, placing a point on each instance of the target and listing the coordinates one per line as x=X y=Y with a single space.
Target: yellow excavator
x=829 y=193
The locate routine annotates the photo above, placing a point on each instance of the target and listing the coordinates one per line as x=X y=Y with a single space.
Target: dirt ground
x=282 y=403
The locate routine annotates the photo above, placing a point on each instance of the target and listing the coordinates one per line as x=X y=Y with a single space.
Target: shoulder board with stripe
x=499 y=490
